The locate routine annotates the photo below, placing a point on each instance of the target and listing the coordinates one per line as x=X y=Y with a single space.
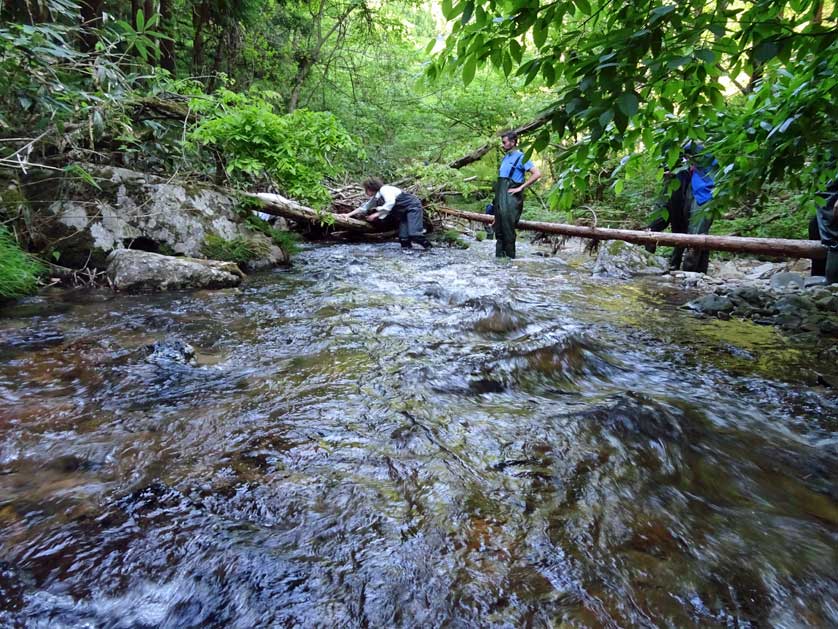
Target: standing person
x=683 y=208
x=702 y=166
x=390 y=202
x=824 y=227
x=509 y=194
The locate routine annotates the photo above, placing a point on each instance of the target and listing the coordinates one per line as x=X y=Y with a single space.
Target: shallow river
x=375 y=438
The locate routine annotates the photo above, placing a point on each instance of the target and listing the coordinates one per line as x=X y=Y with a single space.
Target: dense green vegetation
x=261 y=94
x=18 y=271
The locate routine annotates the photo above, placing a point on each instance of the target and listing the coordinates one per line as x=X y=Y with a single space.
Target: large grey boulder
x=130 y=209
x=621 y=259
x=131 y=270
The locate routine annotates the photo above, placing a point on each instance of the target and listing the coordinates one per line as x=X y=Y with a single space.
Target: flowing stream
x=379 y=438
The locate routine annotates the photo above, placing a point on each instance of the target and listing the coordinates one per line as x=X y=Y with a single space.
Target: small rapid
x=381 y=438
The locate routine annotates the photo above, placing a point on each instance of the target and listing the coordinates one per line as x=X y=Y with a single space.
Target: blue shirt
x=513 y=166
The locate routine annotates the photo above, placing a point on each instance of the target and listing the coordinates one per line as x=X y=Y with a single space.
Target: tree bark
x=277 y=205
x=135 y=7
x=167 y=46
x=474 y=156
x=200 y=16
x=148 y=11
x=777 y=247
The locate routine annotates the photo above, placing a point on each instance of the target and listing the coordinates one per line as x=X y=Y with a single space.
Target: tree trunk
x=148 y=11
x=777 y=247
x=135 y=7
x=300 y=78
x=200 y=16
x=167 y=46
x=216 y=63
x=277 y=205
x=91 y=21
x=532 y=125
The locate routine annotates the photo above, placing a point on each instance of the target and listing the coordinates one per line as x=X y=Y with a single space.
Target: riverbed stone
x=130 y=270
x=786 y=280
x=711 y=304
x=624 y=260
x=764 y=271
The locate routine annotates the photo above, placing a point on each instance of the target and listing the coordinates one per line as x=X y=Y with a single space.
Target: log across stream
x=777 y=247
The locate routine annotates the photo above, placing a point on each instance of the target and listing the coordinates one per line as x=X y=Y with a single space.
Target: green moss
x=165 y=249
x=285 y=240
x=615 y=247
x=18 y=271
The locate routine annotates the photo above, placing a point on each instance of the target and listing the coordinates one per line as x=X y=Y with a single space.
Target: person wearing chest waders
x=509 y=194
x=824 y=227
x=388 y=203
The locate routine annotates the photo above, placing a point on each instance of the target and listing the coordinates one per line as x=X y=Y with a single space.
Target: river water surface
x=375 y=438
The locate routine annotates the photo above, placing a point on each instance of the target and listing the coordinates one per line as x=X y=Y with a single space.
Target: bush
x=18 y=271
x=297 y=151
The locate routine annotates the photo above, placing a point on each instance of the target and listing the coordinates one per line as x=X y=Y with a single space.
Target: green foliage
x=297 y=150
x=645 y=76
x=437 y=178
x=239 y=249
x=18 y=271
x=285 y=240
x=784 y=213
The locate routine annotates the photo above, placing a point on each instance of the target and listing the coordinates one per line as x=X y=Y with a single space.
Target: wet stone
x=711 y=304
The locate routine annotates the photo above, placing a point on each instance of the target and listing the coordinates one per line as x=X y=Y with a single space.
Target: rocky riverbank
x=782 y=294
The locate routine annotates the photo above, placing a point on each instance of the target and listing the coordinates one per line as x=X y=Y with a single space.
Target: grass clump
x=451 y=237
x=18 y=270
x=238 y=250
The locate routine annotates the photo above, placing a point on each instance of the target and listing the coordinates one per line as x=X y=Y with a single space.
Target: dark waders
x=508 y=208
x=824 y=227
x=408 y=209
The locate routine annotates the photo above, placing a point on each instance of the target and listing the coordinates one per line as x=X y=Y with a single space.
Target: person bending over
x=392 y=203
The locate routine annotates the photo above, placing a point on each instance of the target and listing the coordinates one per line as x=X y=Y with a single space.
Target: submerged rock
x=171 y=351
x=130 y=270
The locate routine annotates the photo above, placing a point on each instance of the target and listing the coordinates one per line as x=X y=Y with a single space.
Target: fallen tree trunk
x=277 y=205
x=777 y=247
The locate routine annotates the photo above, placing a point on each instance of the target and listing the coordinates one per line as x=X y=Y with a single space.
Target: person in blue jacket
x=509 y=194
x=685 y=206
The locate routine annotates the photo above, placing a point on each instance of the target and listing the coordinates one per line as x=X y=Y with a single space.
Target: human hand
x=372 y=217
x=516 y=190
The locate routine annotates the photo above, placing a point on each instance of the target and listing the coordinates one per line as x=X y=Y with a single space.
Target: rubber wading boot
x=832 y=266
